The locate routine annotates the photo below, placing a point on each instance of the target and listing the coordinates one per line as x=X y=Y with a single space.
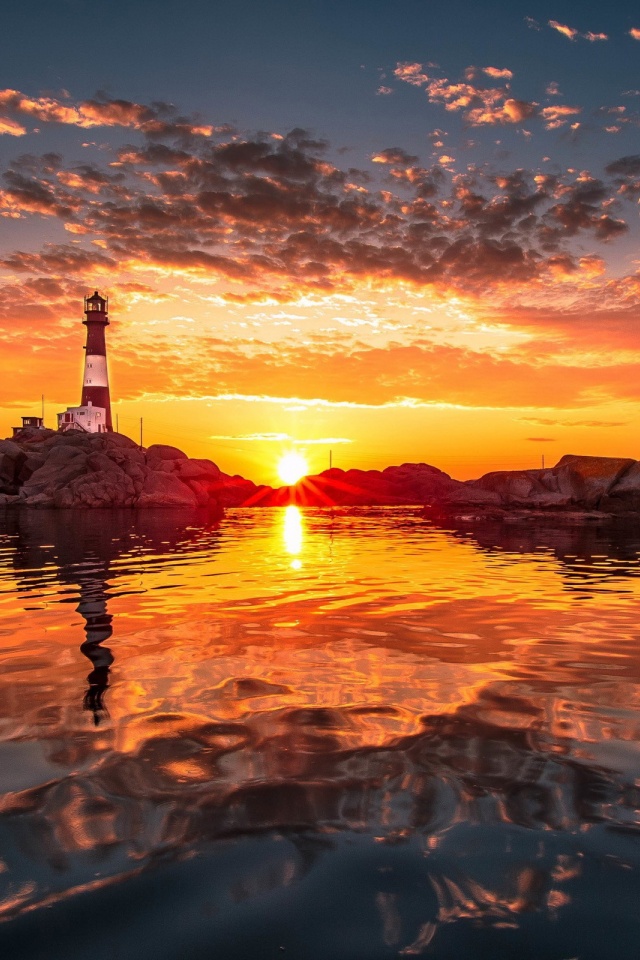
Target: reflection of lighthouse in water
x=93 y=607
x=82 y=553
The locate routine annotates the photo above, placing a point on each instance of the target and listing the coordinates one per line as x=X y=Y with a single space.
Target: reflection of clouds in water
x=402 y=728
x=293 y=534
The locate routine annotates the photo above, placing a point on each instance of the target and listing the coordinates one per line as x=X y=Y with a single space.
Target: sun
x=291 y=467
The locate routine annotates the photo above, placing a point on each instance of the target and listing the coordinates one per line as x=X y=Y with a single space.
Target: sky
x=376 y=232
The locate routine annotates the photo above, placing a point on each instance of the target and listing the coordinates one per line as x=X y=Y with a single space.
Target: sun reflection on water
x=293 y=534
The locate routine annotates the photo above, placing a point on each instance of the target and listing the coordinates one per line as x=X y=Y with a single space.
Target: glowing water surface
x=319 y=734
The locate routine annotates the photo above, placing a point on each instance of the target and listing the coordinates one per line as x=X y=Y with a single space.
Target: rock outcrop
x=577 y=488
x=408 y=484
x=41 y=468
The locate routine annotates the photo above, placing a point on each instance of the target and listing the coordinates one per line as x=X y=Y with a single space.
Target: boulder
x=200 y=491
x=588 y=479
x=165 y=490
x=158 y=451
x=32 y=462
x=53 y=475
x=101 y=488
x=197 y=470
x=9 y=448
x=628 y=484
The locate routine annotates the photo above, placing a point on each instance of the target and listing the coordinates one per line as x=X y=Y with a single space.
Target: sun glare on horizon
x=292 y=467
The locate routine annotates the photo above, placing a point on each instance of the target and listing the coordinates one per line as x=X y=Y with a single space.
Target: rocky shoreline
x=42 y=468
x=577 y=489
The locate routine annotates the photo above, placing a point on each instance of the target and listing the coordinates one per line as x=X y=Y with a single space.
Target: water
x=319 y=735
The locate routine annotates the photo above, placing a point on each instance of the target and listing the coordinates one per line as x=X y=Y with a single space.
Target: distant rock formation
x=410 y=483
x=576 y=488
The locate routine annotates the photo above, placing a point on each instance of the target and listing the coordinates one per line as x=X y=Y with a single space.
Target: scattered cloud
x=555 y=422
x=255 y=218
x=635 y=33
x=569 y=32
x=481 y=105
x=394 y=155
x=558 y=115
x=159 y=120
x=572 y=34
x=497 y=74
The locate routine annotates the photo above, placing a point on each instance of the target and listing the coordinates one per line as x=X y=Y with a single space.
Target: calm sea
x=317 y=735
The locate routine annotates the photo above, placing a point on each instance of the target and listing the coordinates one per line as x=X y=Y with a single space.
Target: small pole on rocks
x=43 y=409
x=543 y=461
x=330 y=459
x=141 y=433
x=117 y=424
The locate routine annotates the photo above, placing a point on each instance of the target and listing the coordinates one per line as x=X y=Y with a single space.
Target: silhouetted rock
x=42 y=468
x=74 y=469
x=577 y=489
x=410 y=483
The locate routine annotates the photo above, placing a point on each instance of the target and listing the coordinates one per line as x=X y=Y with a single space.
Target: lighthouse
x=94 y=413
x=95 y=385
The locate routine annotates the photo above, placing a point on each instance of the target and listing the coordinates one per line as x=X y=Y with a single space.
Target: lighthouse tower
x=95 y=385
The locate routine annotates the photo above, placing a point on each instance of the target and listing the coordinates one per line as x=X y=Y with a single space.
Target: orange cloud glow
x=265 y=291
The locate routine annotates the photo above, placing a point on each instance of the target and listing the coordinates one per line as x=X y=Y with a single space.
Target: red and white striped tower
x=95 y=385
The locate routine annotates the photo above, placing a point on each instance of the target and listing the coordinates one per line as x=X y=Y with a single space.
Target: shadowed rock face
x=576 y=487
x=410 y=483
x=42 y=468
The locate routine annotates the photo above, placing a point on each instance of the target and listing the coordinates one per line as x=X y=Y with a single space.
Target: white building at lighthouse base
x=89 y=419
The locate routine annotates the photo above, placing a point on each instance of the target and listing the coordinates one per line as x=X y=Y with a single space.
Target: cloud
x=635 y=33
x=411 y=73
x=394 y=155
x=480 y=105
x=278 y=216
x=555 y=422
x=569 y=32
x=558 y=115
x=158 y=120
x=497 y=73
x=383 y=91
x=11 y=127
x=541 y=439
x=572 y=34
x=626 y=175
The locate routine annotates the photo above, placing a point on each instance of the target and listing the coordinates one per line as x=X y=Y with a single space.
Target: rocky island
x=44 y=468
